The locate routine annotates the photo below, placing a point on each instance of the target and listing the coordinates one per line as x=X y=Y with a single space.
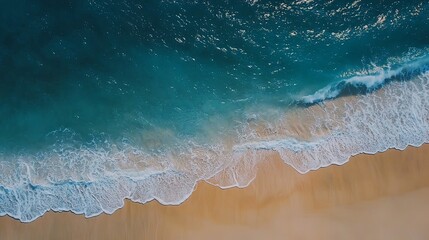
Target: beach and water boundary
x=95 y=181
x=373 y=196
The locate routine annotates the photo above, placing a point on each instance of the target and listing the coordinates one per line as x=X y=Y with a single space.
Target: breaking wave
x=97 y=178
x=367 y=83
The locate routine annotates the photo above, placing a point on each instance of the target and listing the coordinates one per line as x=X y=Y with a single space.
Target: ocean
x=105 y=100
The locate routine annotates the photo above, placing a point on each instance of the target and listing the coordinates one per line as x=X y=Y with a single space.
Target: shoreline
x=306 y=139
x=206 y=181
x=279 y=194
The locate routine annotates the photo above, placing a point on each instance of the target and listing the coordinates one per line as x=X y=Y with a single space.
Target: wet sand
x=382 y=196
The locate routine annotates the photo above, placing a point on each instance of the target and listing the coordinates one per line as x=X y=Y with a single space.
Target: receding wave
x=94 y=179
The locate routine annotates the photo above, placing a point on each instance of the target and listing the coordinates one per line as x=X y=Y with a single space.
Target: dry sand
x=382 y=196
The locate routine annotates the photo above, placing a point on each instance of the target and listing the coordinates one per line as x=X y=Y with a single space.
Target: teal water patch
x=113 y=68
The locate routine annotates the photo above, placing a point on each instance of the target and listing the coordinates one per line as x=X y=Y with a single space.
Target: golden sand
x=382 y=196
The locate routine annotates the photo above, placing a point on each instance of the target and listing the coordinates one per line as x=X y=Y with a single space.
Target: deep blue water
x=82 y=81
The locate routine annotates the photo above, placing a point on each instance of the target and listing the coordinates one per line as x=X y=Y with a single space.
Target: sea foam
x=97 y=179
x=368 y=82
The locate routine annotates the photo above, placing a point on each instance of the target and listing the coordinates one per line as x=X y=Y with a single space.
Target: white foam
x=92 y=180
x=370 y=81
x=394 y=117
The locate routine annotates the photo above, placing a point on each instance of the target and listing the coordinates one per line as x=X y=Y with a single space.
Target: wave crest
x=361 y=84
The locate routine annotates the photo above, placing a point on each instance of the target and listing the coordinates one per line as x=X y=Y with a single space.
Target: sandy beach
x=382 y=196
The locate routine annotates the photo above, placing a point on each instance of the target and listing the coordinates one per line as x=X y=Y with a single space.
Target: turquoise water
x=107 y=100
